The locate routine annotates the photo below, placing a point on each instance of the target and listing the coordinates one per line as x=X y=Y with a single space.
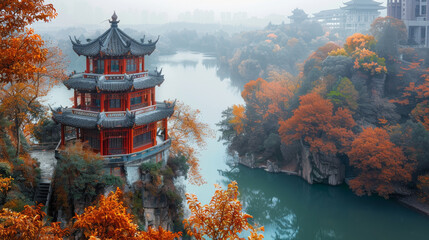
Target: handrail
x=94 y=114
x=110 y=76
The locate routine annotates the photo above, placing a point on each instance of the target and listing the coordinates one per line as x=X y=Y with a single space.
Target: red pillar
x=87 y=65
x=152 y=95
x=77 y=134
x=131 y=136
x=164 y=125
x=82 y=100
x=124 y=65
x=101 y=142
x=143 y=64
x=75 y=99
x=106 y=66
x=102 y=98
x=153 y=132
x=128 y=101
x=63 y=137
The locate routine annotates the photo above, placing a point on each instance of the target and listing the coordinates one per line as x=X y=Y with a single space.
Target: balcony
x=128 y=159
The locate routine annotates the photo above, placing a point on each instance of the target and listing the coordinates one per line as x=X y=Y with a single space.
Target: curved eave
x=100 y=120
x=114 y=42
x=90 y=84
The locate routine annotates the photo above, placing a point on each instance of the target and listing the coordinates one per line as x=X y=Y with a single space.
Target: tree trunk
x=18 y=139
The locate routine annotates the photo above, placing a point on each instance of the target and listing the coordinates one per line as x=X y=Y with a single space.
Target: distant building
x=355 y=16
x=359 y=14
x=415 y=15
x=332 y=19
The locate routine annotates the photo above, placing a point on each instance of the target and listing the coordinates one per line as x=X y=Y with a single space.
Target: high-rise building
x=414 y=14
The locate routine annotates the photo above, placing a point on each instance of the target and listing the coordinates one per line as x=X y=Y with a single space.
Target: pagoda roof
x=114 y=83
x=114 y=42
x=363 y=5
x=108 y=120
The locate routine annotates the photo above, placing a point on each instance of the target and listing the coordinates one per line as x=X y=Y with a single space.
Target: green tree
x=344 y=95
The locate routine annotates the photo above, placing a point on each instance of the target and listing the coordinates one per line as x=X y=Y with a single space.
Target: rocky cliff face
x=313 y=167
x=320 y=168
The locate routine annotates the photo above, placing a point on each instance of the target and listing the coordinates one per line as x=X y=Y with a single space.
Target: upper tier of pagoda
x=114 y=42
x=363 y=5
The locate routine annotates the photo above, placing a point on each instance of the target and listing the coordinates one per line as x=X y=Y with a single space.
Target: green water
x=286 y=205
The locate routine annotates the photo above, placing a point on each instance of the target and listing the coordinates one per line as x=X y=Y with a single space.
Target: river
x=287 y=206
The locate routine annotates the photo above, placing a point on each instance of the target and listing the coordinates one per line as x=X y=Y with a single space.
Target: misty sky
x=74 y=12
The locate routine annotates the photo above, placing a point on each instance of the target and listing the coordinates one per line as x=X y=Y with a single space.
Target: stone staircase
x=42 y=192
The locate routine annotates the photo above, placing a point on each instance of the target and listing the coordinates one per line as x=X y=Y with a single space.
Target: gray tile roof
x=93 y=82
x=114 y=42
x=86 y=119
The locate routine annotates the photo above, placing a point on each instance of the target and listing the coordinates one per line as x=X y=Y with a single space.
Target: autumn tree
x=382 y=165
x=362 y=49
x=315 y=123
x=22 y=49
x=389 y=33
x=30 y=224
x=109 y=219
x=222 y=218
x=239 y=116
x=186 y=131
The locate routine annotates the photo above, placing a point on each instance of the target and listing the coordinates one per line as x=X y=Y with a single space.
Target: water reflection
x=292 y=209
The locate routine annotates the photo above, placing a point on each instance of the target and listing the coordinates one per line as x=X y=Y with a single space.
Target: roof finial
x=114 y=22
x=114 y=17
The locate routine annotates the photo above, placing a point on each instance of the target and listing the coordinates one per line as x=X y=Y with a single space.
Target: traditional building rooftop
x=363 y=5
x=108 y=120
x=114 y=83
x=114 y=42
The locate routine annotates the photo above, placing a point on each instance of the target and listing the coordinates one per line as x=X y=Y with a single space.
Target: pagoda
x=114 y=108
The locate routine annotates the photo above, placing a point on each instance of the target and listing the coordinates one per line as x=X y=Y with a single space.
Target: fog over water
x=94 y=12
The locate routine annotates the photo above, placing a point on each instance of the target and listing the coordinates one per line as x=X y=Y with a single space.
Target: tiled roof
x=86 y=119
x=118 y=83
x=114 y=42
x=362 y=5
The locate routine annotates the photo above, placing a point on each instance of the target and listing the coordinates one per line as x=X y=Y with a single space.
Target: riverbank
x=411 y=202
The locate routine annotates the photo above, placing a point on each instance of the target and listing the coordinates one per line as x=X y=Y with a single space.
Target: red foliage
x=315 y=123
x=382 y=164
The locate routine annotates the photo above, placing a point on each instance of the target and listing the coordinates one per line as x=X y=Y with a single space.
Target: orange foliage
x=270 y=98
x=222 y=218
x=382 y=165
x=315 y=123
x=160 y=234
x=185 y=130
x=109 y=219
x=324 y=51
x=21 y=47
x=421 y=94
x=239 y=117
x=359 y=41
x=28 y=225
x=5 y=184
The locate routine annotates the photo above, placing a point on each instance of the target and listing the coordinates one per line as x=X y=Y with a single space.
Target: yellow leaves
x=28 y=225
x=110 y=220
x=338 y=52
x=187 y=130
x=222 y=218
x=5 y=184
x=238 y=111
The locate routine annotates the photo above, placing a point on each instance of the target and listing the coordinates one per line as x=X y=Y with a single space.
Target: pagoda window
x=131 y=65
x=100 y=66
x=139 y=99
x=114 y=66
x=116 y=141
x=142 y=136
x=115 y=103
